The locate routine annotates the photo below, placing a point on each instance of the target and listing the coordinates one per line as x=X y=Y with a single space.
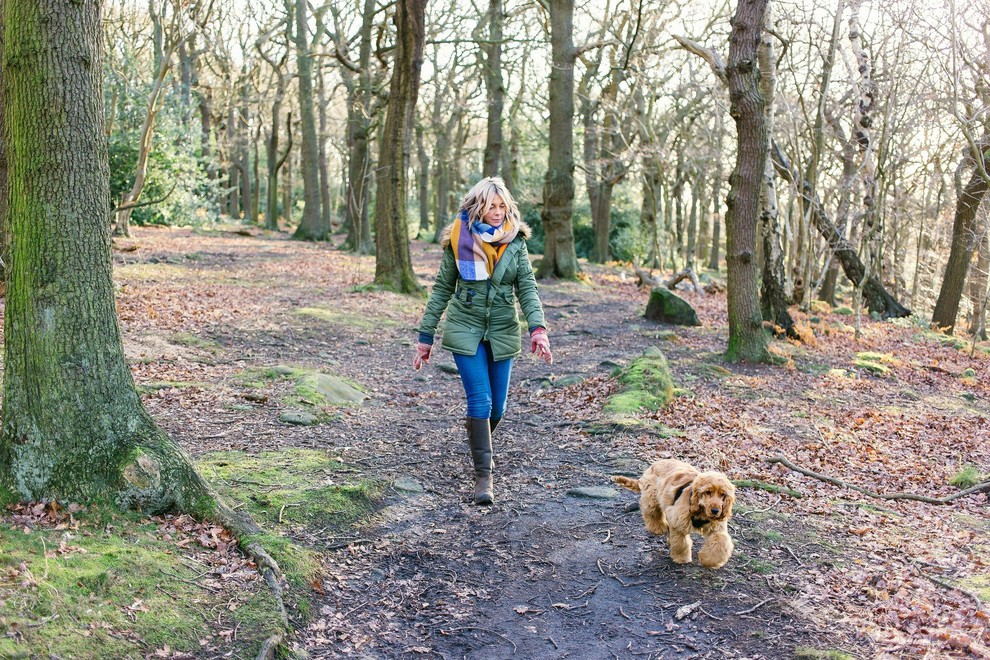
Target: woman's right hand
x=422 y=355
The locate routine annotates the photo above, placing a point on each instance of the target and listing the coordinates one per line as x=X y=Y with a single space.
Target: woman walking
x=485 y=268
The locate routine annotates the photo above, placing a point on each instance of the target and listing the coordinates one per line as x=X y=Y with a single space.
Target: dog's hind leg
x=680 y=547
x=716 y=550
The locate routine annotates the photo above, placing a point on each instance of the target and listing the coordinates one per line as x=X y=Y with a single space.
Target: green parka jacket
x=485 y=310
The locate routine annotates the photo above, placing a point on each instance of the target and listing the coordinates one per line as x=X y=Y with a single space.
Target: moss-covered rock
x=647 y=384
x=667 y=307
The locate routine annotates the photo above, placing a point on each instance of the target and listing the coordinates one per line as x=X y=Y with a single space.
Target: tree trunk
x=978 y=284
x=287 y=191
x=4 y=225
x=359 y=166
x=393 y=264
x=877 y=298
x=424 y=181
x=242 y=136
x=312 y=226
x=773 y=297
x=964 y=242
x=713 y=260
x=559 y=256
x=692 y=228
x=144 y=148
x=326 y=205
x=494 y=88
x=74 y=428
x=747 y=338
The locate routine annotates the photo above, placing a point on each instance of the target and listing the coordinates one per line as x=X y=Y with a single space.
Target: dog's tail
x=626 y=482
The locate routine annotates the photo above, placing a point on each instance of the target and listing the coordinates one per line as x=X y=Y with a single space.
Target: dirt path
x=543 y=573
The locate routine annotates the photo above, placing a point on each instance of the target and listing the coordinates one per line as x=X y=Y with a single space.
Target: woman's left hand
x=541 y=345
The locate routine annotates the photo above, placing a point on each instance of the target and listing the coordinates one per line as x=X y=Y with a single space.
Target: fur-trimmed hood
x=524 y=230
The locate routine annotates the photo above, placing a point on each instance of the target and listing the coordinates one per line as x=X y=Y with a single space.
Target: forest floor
x=224 y=331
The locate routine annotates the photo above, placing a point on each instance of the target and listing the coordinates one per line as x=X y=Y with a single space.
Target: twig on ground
x=754 y=607
x=799 y=563
x=979 y=488
x=282 y=510
x=952 y=587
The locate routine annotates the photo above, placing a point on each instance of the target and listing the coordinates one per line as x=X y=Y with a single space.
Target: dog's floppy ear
x=730 y=497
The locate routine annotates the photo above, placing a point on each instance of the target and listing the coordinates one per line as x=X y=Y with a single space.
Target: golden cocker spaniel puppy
x=675 y=499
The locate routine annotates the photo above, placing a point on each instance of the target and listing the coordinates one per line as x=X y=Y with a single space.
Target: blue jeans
x=486 y=382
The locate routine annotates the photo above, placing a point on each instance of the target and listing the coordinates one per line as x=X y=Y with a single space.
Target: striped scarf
x=478 y=246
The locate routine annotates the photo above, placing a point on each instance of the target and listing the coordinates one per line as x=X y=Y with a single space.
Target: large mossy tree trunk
x=748 y=340
x=393 y=264
x=559 y=255
x=312 y=226
x=74 y=428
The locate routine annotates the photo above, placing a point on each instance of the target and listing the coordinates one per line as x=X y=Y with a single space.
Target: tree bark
x=964 y=241
x=773 y=297
x=359 y=165
x=714 y=256
x=494 y=89
x=393 y=264
x=326 y=205
x=74 y=428
x=978 y=284
x=312 y=226
x=747 y=338
x=242 y=136
x=559 y=255
x=4 y=225
x=424 y=181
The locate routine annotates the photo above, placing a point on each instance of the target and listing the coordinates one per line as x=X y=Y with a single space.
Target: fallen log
x=978 y=488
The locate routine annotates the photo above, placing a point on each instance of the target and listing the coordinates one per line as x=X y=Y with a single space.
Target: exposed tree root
x=244 y=528
x=979 y=488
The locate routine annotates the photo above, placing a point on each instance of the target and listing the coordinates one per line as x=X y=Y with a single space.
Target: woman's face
x=495 y=213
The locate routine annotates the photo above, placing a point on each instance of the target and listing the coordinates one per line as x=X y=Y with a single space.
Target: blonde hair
x=481 y=197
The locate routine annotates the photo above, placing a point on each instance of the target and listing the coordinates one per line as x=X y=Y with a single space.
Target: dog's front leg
x=716 y=550
x=680 y=547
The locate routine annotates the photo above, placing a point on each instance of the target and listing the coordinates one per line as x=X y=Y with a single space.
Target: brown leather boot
x=480 y=439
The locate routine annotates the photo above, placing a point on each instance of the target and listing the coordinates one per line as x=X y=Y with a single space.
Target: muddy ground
x=547 y=572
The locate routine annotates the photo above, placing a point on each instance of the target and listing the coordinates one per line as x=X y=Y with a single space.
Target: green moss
x=186 y=339
x=8 y=496
x=762 y=485
x=291 y=487
x=299 y=564
x=967 y=477
x=773 y=536
x=978 y=584
x=843 y=311
x=116 y=589
x=877 y=363
x=714 y=370
x=261 y=376
x=647 y=385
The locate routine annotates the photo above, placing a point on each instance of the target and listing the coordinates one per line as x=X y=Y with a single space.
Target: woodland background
x=179 y=480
